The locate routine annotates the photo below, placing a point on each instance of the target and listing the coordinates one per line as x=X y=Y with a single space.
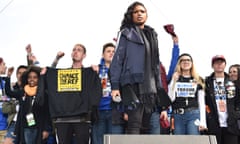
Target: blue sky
x=205 y=28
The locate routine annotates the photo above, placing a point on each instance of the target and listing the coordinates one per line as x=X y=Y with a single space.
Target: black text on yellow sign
x=69 y=80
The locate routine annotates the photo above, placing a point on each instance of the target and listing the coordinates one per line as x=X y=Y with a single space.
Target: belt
x=183 y=110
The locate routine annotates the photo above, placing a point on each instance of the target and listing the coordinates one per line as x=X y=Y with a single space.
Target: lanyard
x=220 y=91
x=31 y=99
x=103 y=71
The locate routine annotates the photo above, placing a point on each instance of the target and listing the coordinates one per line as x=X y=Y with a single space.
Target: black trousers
x=224 y=137
x=66 y=132
x=138 y=121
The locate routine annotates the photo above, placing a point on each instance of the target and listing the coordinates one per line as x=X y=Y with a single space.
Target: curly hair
x=24 y=78
x=127 y=20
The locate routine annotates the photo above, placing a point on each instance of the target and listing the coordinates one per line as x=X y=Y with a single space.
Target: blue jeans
x=10 y=132
x=30 y=135
x=118 y=129
x=51 y=138
x=102 y=126
x=154 y=123
x=184 y=123
x=118 y=123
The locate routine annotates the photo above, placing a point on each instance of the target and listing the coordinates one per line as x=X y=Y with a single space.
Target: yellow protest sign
x=69 y=80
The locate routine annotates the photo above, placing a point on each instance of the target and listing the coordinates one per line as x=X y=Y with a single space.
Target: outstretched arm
x=31 y=58
x=174 y=59
x=57 y=58
x=29 y=54
x=12 y=93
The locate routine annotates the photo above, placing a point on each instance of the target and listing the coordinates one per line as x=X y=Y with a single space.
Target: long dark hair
x=238 y=70
x=127 y=19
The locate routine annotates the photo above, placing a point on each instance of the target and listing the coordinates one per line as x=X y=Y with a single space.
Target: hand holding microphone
x=116 y=96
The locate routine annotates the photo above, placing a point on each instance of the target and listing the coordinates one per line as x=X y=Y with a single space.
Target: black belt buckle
x=180 y=110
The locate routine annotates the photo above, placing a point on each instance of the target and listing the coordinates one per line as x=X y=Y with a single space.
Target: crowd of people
x=128 y=92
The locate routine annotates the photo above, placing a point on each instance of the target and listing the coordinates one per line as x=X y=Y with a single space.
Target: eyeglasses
x=233 y=71
x=185 y=60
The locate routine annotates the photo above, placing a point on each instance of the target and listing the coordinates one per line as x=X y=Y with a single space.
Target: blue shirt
x=3 y=97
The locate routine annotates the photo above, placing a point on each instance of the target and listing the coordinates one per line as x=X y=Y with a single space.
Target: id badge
x=222 y=106
x=30 y=119
x=105 y=92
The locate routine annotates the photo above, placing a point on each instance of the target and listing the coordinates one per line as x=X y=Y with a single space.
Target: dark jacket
x=41 y=114
x=212 y=113
x=127 y=66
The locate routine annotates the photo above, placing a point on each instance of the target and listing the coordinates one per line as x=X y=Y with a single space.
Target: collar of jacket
x=211 y=78
x=132 y=35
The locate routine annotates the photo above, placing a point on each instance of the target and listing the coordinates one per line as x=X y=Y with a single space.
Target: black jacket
x=233 y=105
x=41 y=114
x=127 y=66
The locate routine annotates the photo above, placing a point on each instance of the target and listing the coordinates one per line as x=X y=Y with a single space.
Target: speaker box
x=159 y=139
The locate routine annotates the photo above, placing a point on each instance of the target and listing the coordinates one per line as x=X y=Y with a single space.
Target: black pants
x=224 y=137
x=138 y=121
x=67 y=131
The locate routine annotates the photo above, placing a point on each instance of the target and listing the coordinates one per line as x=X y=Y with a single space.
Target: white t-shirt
x=221 y=101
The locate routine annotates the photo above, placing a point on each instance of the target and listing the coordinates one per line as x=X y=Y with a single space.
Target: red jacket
x=163 y=77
